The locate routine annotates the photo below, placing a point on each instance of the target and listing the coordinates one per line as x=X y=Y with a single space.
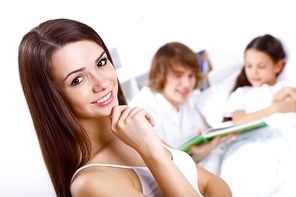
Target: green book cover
x=211 y=133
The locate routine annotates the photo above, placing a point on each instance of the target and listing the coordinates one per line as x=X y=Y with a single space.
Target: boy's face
x=180 y=82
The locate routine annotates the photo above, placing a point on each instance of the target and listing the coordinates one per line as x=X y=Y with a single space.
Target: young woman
x=252 y=96
x=93 y=144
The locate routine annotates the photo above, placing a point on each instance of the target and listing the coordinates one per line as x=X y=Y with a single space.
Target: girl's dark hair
x=65 y=145
x=267 y=44
x=164 y=59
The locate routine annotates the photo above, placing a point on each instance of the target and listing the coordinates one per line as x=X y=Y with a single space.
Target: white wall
x=137 y=28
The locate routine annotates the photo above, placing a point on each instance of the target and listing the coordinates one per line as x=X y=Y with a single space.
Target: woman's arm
x=173 y=182
x=212 y=185
x=131 y=127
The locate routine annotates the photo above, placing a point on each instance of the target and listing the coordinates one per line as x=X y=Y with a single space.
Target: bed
x=258 y=163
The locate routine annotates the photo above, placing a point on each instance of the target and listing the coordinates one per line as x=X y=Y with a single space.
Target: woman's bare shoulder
x=105 y=181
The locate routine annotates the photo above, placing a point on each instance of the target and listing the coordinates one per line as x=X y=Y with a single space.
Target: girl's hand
x=285 y=93
x=285 y=100
x=286 y=106
x=134 y=126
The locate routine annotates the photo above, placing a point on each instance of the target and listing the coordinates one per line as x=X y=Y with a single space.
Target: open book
x=213 y=132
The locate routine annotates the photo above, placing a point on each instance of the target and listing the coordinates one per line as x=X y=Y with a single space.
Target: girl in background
x=252 y=95
x=257 y=158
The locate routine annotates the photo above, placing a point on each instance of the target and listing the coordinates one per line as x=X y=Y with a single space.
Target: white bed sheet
x=260 y=163
x=257 y=166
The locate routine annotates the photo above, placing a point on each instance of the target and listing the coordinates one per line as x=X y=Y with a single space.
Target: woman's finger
x=142 y=113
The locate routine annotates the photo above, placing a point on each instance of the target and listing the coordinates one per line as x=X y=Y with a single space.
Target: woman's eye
x=76 y=81
x=102 y=62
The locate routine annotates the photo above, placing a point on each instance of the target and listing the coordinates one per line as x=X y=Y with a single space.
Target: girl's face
x=260 y=69
x=179 y=84
x=86 y=79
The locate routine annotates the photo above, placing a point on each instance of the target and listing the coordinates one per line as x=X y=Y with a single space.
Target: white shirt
x=252 y=99
x=174 y=126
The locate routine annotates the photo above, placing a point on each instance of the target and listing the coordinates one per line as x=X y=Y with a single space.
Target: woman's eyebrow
x=74 y=71
x=100 y=56
x=82 y=69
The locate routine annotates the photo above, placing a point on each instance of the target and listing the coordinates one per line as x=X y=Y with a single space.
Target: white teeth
x=104 y=98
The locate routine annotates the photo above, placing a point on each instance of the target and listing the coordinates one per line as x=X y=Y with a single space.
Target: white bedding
x=259 y=163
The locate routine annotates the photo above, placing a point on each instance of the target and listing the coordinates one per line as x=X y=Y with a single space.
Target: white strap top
x=149 y=185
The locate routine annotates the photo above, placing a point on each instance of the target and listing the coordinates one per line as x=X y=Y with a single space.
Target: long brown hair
x=164 y=59
x=65 y=145
x=268 y=45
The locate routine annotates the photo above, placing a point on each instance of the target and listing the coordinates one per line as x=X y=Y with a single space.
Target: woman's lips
x=104 y=99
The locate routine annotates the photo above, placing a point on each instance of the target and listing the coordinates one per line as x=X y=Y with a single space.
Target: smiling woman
x=66 y=71
x=83 y=67
x=142 y=27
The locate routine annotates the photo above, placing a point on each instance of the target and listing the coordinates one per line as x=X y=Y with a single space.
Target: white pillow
x=227 y=71
x=288 y=71
x=211 y=102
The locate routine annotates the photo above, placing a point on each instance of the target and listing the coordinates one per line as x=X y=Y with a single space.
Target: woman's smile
x=105 y=100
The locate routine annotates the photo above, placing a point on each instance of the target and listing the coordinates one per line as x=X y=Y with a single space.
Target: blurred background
x=135 y=28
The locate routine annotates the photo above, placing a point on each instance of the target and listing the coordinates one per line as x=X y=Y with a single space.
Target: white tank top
x=149 y=185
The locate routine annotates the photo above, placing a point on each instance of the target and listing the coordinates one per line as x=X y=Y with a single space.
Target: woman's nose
x=99 y=83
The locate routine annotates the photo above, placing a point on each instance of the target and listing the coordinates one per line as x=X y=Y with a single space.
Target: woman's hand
x=134 y=126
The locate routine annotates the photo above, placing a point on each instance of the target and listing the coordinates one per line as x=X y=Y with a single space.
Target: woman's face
x=260 y=69
x=86 y=79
